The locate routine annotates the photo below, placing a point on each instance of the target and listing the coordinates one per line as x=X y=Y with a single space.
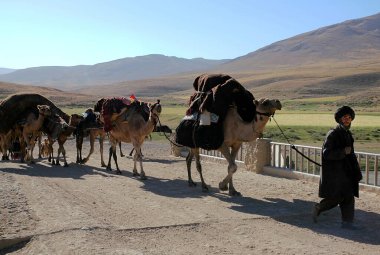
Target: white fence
x=283 y=157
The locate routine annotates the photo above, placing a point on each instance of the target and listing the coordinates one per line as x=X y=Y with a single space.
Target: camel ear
x=256 y=102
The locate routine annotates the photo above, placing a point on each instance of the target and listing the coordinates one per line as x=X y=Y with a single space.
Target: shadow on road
x=44 y=169
x=298 y=213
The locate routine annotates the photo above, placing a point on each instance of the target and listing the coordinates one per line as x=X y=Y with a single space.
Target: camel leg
x=227 y=183
x=51 y=152
x=101 y=142
x=189 y=160
x=121 y=153
x=112 y=153
x=64 y=156
x=92 y=142
x=79 y=144
x=32 y=144
x=109 y=159
x=199 y=168
x=133 y=149
x=39 y=146
x=138 y=157
x=23 y=149
x=27 y=149
x=58 y=155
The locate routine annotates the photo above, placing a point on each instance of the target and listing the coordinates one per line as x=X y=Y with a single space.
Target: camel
x=131 y=127
x=92 y=128
x=31 y=129
x=62 y=134
x=89 y=127
x=236 y=131
x=45 y=148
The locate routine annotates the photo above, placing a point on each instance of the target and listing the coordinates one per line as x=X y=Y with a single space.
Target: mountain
x=126 y=69
x=352 y=40
x=340 y=62
x=6 y=70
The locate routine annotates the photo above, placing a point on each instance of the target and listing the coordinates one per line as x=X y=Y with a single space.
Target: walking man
x=339 y=182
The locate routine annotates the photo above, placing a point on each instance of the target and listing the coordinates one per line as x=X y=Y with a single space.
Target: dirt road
x=83 y=209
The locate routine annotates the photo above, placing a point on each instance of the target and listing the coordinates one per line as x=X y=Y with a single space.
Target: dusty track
x=83 y=209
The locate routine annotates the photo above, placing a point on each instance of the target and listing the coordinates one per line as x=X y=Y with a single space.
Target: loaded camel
x=131 y=127
x=91 y=126
x=236 y=131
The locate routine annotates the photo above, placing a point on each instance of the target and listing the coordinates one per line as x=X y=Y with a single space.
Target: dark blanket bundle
x=215 y=93
x=189 y=133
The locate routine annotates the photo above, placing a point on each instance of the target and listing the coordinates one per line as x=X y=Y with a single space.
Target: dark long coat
x=340 y=172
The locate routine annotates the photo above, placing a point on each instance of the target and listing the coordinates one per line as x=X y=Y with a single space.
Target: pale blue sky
x=73 y=32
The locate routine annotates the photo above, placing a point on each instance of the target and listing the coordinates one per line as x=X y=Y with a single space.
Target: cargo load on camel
x=111 y=108
x=214 y=95
x=14 y=106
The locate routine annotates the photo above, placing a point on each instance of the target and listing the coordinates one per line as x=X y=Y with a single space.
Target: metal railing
x=284 y=157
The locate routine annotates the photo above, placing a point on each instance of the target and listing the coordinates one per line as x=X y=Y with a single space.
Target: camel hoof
x=143 y=177
x=66 y=165
x=109 y=168
x=118 y=172
x=191 y=183
x=103 y=165
x=234 y=193
x=223 y=186
x=136 y=173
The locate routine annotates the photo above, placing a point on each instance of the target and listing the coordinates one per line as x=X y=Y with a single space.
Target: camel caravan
x=221 y=115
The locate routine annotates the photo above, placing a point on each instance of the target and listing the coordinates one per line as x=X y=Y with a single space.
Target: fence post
x=258 y=155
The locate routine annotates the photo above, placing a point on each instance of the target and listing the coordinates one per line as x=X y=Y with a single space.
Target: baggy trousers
x=346 y=204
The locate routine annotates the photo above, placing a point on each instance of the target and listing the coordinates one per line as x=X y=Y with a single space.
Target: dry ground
x=83 y=209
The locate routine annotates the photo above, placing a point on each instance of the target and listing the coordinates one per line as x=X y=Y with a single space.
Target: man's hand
x=347 y=150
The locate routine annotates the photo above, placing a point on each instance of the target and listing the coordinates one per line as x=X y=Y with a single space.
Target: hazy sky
x=73 y=32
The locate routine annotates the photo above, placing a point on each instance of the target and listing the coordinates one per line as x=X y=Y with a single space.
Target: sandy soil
x=83 y=209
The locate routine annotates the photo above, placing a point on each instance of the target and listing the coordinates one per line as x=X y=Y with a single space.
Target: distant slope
x=6 y=70
x=59 y=97
x=125 y=69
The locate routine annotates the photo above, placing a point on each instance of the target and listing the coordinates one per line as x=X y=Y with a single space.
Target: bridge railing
x=283 y=157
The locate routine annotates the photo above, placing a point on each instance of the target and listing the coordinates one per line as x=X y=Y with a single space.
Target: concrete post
x=258 y=155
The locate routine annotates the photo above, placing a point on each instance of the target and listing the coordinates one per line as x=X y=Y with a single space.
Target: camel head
x=44 y=110
x=155 y=111
x=265 y=108
x=75 y=119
